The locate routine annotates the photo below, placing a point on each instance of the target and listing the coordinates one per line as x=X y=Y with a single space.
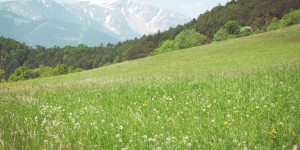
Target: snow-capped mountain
x=120 y=19
x=125 y=18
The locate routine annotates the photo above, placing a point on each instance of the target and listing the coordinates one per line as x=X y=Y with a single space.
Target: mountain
x=125 y=18
x=49 y=32
x=113 y=20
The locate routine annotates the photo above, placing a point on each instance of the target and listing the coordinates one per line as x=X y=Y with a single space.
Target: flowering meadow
x=245 y=104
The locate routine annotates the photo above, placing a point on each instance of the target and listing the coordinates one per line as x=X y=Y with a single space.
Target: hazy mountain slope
x=49 y=32
x=121 y=19
x=125 y=18
x=12 y=25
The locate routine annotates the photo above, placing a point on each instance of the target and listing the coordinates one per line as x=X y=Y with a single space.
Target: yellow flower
x=273 y=133
x=145 y=104
x=225 y=123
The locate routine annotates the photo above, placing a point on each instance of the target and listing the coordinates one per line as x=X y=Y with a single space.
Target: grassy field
x=237 y=94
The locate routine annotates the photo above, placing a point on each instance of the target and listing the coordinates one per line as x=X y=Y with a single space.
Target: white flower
x=144 y=136
x=44 y=122
x=121 y=127
x=118 y=135
x=295 y=147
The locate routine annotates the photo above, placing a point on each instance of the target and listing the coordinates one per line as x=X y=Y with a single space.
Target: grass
x=236 y=94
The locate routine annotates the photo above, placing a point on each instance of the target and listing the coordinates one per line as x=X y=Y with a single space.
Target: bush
x=275 y=24
x=44 y=71
x=230 y=30
x=189 y=38
x=287 y=20
x=221 y=35
x=167 y=46
x=2 y=73
x=61 y=69
x=246 y=31
x=22 y=73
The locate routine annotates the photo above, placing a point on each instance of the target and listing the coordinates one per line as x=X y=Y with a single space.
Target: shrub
x=287 y=20
x=189 y=38
x=221 y=35
x=61 y=69
x=231 y=29
x=22 y=73
x=167 y=46
x=246 y=31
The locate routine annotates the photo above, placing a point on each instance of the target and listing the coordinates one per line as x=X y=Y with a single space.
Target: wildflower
x=145 y=104
x=36 y=118
x=225 y=123
x=273 y=133
x=121 y=127
x=44 y=122
x=169 y=139
x=118 y=135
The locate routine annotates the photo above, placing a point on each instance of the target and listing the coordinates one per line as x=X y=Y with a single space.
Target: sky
x=191 y=8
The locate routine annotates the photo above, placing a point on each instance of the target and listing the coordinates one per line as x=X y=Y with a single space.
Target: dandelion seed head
x=118 y=135
x=145 y=136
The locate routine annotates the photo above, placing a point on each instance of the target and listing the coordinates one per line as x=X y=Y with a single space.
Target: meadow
x=236 y=94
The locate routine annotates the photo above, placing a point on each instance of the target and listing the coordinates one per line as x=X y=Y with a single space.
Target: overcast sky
x=192 y=8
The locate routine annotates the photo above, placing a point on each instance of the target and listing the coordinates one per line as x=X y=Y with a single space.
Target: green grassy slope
x=267 y=49
x=237 y=94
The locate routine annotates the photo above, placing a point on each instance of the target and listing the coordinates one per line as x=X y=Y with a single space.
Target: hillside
x=226 y=95
x=261 y=50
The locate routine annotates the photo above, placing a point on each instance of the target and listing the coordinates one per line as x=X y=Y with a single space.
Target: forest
x=220 y=23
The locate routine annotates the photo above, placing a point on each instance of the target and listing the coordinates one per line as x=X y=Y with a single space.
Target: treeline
x=251 y=15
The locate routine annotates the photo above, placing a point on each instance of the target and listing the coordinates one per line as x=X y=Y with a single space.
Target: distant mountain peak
x=120 y=19
x=102 y=2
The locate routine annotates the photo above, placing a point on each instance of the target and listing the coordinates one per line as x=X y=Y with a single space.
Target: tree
x=189 y=38
x=232 y=27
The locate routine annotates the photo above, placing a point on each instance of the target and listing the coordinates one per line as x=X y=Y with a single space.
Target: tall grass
x=257 y=110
